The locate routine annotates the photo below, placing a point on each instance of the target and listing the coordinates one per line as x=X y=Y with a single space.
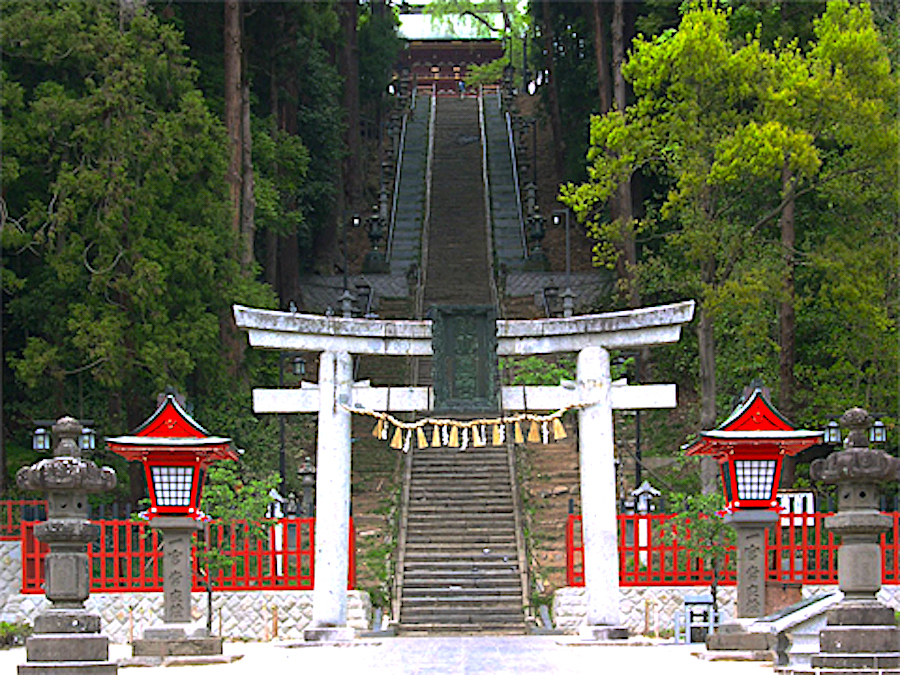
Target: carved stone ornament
x=66 y=473
x=856 y=463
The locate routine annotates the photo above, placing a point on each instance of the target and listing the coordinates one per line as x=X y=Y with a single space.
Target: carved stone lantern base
x=861 y=637
x=177 y=635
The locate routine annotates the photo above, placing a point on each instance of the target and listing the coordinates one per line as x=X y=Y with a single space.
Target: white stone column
x=598 y=492
x=332 y=531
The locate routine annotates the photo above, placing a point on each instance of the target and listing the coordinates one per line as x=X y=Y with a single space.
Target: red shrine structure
x=750 y=447
x=444 y=62
x=175 y=451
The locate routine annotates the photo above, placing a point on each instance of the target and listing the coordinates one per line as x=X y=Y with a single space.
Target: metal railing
x=515 y=173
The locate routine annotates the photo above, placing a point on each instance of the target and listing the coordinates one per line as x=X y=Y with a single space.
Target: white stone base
x=246 y=615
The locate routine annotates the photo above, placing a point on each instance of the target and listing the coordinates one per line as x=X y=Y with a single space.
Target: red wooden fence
x=128 y=557
x=799 y=550
x=13 y=512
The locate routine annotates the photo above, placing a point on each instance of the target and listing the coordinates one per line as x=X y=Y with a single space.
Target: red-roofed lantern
x=750 y=447
x=175 y=452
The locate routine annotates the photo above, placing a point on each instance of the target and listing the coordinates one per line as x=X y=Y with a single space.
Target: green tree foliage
x=719 y=119
x=239 y=512
x=116 y=249
x=699 y=529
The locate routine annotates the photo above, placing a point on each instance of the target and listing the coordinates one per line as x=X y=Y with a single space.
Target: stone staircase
x=406 y=238
x=459 y=564
x=461 y=569
x=509 y=244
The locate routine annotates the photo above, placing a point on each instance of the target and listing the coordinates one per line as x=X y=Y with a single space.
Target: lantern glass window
x=88 y=441
x=832 y=433
x=755 y=478
x=41 y=440
x=877 y=432
x=172 y=485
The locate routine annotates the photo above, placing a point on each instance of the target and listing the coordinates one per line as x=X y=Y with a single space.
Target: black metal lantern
x=40 y=440
x=832 y=433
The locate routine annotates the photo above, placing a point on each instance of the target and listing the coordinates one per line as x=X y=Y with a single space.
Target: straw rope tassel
x=559 y=430
x=397 y=440
x=534 y=433
x=477 y=439
x=379 y=427
x=435 y=436
x=454 y=437
x=518 y=436
x=496 y=440
x=421 y=439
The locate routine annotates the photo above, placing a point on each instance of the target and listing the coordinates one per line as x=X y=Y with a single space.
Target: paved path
x=448 y=656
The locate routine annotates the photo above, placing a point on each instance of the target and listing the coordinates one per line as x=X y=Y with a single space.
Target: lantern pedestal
x=177 y=635
x=750 y=527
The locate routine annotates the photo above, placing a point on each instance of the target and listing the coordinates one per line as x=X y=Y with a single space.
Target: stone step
x=455 y=616
x=499 y=628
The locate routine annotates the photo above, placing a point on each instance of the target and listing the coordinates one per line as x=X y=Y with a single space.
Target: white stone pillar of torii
x=591 y=336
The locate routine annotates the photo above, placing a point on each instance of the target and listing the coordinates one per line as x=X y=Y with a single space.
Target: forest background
x=164 y=160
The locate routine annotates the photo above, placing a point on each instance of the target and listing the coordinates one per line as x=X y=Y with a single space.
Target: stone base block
x=175 y=631
x=67 y=621
x=740 y=641
x=205 y=646
x=601 y=633
x=329 y=634
x=67 y=647
x=69 y=668
x=859 y=639
x=857 y=663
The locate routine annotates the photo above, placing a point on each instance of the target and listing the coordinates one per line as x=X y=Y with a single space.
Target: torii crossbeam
x=336 y=395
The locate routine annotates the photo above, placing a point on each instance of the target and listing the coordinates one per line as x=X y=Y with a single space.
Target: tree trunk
x=559 y=143
x=600 y=55
x=709 y=476
x=348 y=63
x=787 y=354
x=233 y=108
x=624 y=204
x=248 y=201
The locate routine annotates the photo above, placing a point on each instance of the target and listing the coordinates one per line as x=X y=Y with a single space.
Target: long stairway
x=406 y=238
x=459 y=562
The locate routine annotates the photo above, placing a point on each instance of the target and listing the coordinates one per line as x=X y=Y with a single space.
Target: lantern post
x=750 y=447
x=861 y=634
x=66 y=635
x=175 y=452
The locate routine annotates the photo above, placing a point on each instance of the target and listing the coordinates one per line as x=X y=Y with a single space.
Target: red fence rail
x=13 y=512
x=128 y=557
x=799 y=550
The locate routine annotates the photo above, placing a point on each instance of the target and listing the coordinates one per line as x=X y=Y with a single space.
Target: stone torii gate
x=591 y=336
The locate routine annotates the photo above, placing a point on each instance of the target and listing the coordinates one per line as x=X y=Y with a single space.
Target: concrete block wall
x=245 y=615
x=650 y=608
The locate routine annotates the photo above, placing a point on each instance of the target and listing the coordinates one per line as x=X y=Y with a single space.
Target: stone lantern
x=861 y=635
x=67 y=635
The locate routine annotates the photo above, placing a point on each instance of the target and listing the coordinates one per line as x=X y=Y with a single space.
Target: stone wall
x=653 y=608
x=246 y=615
x=644 y=608
x=10 y=572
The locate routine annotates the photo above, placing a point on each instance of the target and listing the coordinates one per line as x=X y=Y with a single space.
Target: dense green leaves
x=731 y=125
